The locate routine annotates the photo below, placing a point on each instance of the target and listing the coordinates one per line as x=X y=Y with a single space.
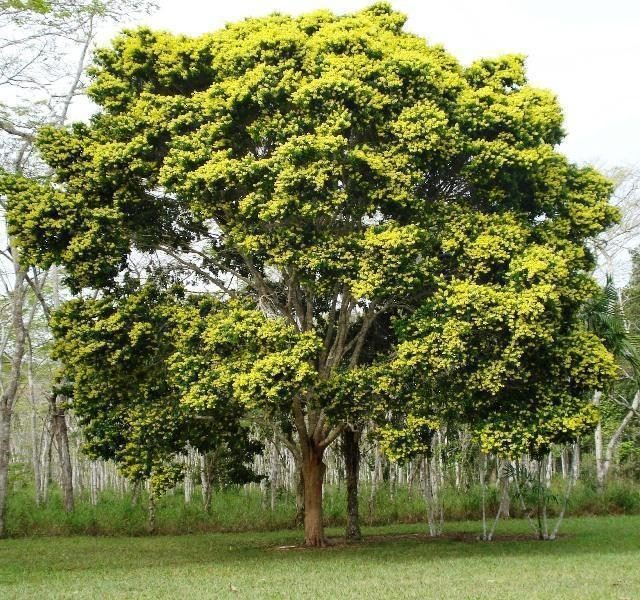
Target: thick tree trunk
x=61 y=433
x=314 y=469
x=351 y=452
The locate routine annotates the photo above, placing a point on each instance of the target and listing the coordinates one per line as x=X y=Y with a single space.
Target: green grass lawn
x=596 y=558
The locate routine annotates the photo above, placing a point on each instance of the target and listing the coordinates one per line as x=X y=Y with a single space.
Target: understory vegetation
x=237 y=509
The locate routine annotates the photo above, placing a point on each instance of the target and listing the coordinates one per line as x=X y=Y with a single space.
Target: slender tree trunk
x=35 y=441
x=152 y=511
x=314 y=470
x=564 y=463
x=59 y=421
x=35 y=452
x=273 y=469
x=612 y=445
x=575 y=465
x=569 y=486
x=505 y=498
x=599 y=446
x=548 y=475
x=539 y=508
x=45 y=469
x=135 y=492
x=351 y=452
x=376 y=477
x=5 y=456
x=187 y=483
x=94 y=483
x=483 y=488
x=10 y=390
x=414 y=472
x=208 y=462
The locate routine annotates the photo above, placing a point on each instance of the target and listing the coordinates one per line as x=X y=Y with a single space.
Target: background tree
x=613 y=315
x=45 y=47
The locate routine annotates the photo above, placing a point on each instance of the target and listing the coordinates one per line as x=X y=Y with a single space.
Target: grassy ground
x=597 y=558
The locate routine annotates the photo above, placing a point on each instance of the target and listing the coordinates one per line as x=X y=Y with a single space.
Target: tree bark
x=313 y=476
x=351 y=452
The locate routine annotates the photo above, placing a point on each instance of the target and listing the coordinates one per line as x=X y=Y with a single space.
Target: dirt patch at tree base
x=469 y=537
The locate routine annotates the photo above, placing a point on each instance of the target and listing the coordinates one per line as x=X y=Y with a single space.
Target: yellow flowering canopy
x=407 y=221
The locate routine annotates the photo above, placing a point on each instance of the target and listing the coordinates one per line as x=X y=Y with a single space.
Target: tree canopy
x=116 y=353
x=371 y=226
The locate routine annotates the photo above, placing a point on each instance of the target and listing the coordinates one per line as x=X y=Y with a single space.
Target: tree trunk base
x=317 y=541
x=313 y=476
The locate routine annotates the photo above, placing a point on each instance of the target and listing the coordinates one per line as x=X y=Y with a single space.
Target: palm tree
x=605 y=317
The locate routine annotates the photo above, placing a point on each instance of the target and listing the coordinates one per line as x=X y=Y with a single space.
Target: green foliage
x=116 y=352
x=227 y=350
x=36 y=6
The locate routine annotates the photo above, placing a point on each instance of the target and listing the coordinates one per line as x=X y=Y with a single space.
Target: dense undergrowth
x=237 y=509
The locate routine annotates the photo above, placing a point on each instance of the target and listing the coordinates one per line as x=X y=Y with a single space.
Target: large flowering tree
x=376 y=222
